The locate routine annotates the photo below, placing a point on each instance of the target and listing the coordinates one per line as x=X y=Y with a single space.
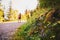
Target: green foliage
x=50 y=3
x=36 y=29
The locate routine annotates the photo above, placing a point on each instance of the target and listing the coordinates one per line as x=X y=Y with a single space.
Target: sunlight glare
x=22 y=5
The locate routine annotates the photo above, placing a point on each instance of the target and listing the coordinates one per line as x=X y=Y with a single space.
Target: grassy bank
x=36 y=29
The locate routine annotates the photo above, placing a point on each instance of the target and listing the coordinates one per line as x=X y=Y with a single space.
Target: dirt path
x=7 y=29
